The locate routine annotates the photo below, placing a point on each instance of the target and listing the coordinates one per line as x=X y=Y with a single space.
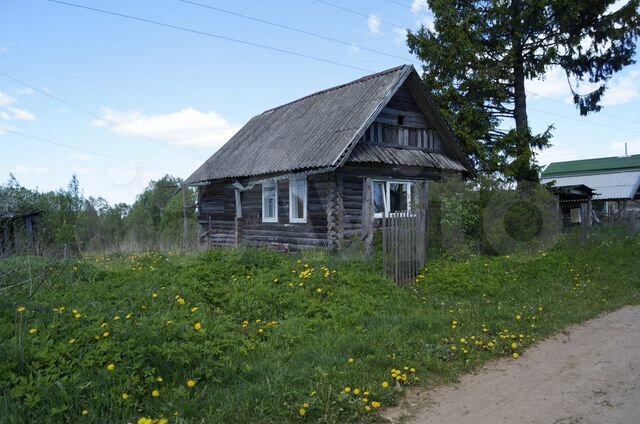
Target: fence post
x=367 y=217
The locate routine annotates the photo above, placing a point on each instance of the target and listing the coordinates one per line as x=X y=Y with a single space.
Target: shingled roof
x=316 y=131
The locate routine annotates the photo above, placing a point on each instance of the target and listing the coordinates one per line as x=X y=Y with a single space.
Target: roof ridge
x=591 y=159
x=338 y=87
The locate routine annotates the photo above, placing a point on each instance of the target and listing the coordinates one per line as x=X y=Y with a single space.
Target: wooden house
x=318 y=170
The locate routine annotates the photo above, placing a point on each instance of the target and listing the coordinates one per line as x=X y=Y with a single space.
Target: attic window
x=400 y=119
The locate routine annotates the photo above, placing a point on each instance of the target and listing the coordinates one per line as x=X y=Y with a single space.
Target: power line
x=81 y=149
x=211 y=35
x=584 y=122
x=353 y=12
x=301 y=31
x=88 y=112
x=551 y=99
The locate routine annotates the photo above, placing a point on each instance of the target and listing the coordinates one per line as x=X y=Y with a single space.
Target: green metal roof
x=592 y=166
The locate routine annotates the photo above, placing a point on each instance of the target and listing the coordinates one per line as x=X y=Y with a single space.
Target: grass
x=281 y=336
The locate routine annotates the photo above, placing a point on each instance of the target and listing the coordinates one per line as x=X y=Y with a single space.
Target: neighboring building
x=294 y=176
x=614 y=180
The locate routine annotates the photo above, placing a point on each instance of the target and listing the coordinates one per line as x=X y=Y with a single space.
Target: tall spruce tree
x=479 y=54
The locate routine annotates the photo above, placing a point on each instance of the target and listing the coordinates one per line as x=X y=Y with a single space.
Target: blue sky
x=158 y=100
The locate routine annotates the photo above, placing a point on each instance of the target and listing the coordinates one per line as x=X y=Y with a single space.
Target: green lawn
x=269 y=337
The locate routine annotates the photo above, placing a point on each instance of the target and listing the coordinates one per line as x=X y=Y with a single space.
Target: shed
x=299 y=175
x=614 y=180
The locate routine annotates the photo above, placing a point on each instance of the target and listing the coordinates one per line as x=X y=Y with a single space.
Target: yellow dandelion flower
x=103 y=325
x=198 y=326
x=515 y=355
x=376 y=404
x=356 y=392
x=518 y=317
x=260 y=331
x=302 y=412
x=514 y=345
x=367 y=408
x=116 y=318
x=85 y=412
x=163 y=421
x=194 y=309
x=77 y=316
x=191 y=384
x=351 y=360
x=111 y=367
x=129 y=316
x=413 y=370
x=125 y=396
x=159 y=379
x=155 y=393
x=105 y=334
x=21 y=309
x=347 y=389
x=155 y=295
x=72 y=341
x=33 y=331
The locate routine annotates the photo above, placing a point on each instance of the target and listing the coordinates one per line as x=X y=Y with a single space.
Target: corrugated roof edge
x=338 y=87
x=595 y=165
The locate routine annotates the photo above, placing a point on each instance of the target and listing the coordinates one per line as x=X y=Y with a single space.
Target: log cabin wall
x=217 y=200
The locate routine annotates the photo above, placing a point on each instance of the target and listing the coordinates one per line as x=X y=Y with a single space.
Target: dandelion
x=356 y=392
x=105 y=334
x=129 y=316
x=21 y=309
x=71 y=341
x=33 y=331
x=518 y=317
x=347 y=389
x=367 y=408
x=261 y=331
x=125 y=396
x=181 y=301
x=77 y=316
x=376 y=404
x=116 y=318
x=155 y=393
x=351 y=360
x=103 y=325
x=194 y=309
x=305 y=405
x=155 y=295
x=159 y=379
x=191 y=384
x=111 y=367
x=385 y=384
x=514 y=345
x=302 y=412
x=85 y=412
x=198 y=326
x=515 y=355
x=413 y=370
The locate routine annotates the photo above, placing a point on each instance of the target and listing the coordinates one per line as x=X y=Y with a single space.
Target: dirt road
x=589 y=374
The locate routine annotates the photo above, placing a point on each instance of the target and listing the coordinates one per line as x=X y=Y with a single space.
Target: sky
x=120 y=102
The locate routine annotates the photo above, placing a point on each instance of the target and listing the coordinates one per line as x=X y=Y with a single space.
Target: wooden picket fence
x=403 y=245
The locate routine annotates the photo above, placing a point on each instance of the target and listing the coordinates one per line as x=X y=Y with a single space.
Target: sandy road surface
x=589 y=374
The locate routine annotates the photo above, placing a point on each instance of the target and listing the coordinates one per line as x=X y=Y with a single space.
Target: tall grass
x=282 y=336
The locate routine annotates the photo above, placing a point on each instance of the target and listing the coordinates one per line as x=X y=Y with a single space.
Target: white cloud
x=419 y=6
x=374 y=24
x=5 y=99
x=354 y=49
x=400 y=35
x=188 y=127
x=25 y=91
x=20 y=114
x=30 y=170
x=617 y=148
x=622 y=89
x=554 y=86
x=556 y=154
x=79 y=157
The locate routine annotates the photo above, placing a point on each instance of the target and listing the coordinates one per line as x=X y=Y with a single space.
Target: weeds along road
x=588 y=374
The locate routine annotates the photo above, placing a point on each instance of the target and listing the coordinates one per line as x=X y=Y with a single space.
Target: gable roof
x=606 y=185
x=592 y=166
x=314 y=132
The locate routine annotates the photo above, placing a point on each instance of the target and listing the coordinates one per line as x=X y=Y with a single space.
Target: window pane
x=298 y=194
x=269 y=201
x=378 y=196
x=398 y=193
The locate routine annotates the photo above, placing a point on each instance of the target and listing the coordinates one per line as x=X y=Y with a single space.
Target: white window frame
x=304 y=198
x=273 y=184
x=386 y=195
